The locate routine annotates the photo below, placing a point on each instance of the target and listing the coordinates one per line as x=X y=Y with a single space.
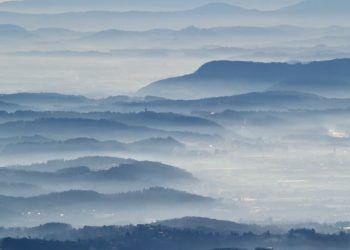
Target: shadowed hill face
x=223 y=77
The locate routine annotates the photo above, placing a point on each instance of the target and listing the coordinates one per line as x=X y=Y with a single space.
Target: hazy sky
x=261 y=4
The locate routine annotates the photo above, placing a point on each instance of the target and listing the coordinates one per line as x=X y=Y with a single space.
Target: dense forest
x=157 y=237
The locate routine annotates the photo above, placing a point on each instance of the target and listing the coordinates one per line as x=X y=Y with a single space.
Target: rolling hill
x=142 y=172
x=155 y=196
x=254 y=101
x=218 y=78
x=87 y=145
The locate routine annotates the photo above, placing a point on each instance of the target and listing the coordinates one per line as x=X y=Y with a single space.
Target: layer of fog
x=268 y=167
x=272 y=167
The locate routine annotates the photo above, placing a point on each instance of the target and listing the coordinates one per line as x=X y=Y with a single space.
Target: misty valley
x=86 y=163
x=180 y=125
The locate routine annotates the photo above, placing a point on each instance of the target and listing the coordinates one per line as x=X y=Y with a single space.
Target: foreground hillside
x=63 y=237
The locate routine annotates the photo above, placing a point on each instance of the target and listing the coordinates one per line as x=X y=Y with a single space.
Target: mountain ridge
x=171 y=19
x=239 y=77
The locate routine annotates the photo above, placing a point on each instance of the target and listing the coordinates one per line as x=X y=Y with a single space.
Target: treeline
x=157 y=237
x=35 y=244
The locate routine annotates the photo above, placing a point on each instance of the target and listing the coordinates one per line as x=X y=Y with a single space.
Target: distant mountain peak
x=219 y=6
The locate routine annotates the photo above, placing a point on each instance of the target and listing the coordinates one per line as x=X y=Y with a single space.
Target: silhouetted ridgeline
x=148 y=197
x=46 y=99
x=218 y=78
x=103 y=174
x=253 y=101
x=164 y=114
x=92 y=162
x=150 y=119
x=89 y=207
x=148 y=172
x=86 y=145
x=13 y=33
x=209 y=14
x=66 y=128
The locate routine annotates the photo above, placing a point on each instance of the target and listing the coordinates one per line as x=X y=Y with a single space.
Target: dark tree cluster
x=156 y=237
